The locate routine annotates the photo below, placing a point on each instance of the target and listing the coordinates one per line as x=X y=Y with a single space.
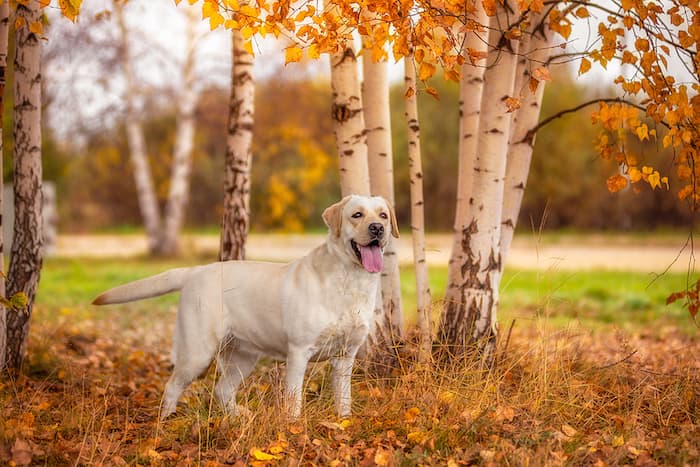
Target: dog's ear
x=394 y=223
x=333 y=216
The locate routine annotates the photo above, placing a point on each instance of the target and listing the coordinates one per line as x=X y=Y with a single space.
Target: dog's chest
x=349 y=328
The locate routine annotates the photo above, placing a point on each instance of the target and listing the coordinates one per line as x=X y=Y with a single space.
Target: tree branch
x=530 y=135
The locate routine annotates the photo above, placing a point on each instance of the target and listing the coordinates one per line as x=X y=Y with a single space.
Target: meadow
x=593 y=369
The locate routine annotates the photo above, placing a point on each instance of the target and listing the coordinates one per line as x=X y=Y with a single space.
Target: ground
x=593 y=375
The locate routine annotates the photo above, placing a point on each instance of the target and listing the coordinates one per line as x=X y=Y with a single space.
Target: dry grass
x=91 y=395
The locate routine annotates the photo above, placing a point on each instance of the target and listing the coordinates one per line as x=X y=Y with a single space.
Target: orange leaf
x=512 y=104
x=584 y=67
x=426 y=71
x=542 y=74
x=616 y=183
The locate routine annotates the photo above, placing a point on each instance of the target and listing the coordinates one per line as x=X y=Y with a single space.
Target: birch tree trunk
x=4 y=38
x=178 y=195
x=474 y=325
x=470 y=91
x=148 y=202
x=348 y=123
x=236 y=216
x=375 y=96
x=26 y=254
x=521 y=141
x=417 y=218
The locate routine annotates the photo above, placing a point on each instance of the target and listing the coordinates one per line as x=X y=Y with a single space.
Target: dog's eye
x=383 y=215
x=357 y=215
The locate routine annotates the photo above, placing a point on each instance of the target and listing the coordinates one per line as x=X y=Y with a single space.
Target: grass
x=597 y=370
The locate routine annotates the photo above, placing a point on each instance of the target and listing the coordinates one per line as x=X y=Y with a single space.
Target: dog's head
x=360 y=226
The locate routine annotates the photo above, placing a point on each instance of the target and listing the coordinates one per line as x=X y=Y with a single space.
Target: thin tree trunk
x=4 y=39
x=521 y=146
x=417 y=211
x=148 y=202
x=184 y=141
x=26 y=254
x=470 y=91
x=475 y=325
x=348 y=123
x=375 y=96
x=236 y=217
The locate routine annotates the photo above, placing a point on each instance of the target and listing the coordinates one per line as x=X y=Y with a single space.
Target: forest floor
x=592 y=369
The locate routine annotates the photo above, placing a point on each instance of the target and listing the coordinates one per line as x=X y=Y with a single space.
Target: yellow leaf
x=292 y=54
x=248 y=46
x=313 y=51
x=19 y=22
x=584 y=67
x=417 y=437
x=618 y=441
x=634 y=174
x=425 y=71
x=215 y=20
x=642 y=132
x=654 y=180
x=260 y=455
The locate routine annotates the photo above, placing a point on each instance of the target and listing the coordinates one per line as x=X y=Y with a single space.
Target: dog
x=316 y=308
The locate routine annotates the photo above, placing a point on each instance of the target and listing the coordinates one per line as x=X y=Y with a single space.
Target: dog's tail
x=154 y=286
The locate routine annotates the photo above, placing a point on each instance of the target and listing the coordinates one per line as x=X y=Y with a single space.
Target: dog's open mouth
x=370 y=255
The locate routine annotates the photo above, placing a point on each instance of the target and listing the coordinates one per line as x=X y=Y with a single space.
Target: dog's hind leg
x=234 y=366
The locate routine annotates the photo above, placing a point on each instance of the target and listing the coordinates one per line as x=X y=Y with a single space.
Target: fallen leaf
x=568 y=430
x=382 y=457
x=260 y=455
x=21 y=452
x=411 y=414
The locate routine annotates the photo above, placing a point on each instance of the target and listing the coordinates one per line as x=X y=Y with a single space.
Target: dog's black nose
x=376 y=230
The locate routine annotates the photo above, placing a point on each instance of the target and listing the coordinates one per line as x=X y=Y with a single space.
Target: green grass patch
x=592 y=298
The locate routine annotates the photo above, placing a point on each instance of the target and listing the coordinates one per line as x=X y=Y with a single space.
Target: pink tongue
x=371 y=258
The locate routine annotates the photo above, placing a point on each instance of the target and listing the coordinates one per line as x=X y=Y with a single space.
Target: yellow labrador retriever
x=315 y=308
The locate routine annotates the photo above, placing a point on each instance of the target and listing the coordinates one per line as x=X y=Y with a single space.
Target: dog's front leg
x=342 y=375
x=296 y=367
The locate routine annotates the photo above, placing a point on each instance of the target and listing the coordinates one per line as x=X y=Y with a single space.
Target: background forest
x=294 y=164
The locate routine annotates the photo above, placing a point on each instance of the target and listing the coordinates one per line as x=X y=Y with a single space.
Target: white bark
x=4 y=31
x=27 y=253
x=178 y=195
x=375 y=95
x=239 y=155
x=348 y=123
x=417 y=212
x=470 y=91
x=521 y=142
x=476 y=323
x=148 y=202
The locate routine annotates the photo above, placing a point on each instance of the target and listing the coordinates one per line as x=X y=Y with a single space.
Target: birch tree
x=417 y=213
x=475 y=324
x=522 y=141
x=26 y=254
x=471 y=84
x=178 y=194
x=348 y=123
x=236 y=216
x=148 y=202
x=4 y=39
x=375 y=96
